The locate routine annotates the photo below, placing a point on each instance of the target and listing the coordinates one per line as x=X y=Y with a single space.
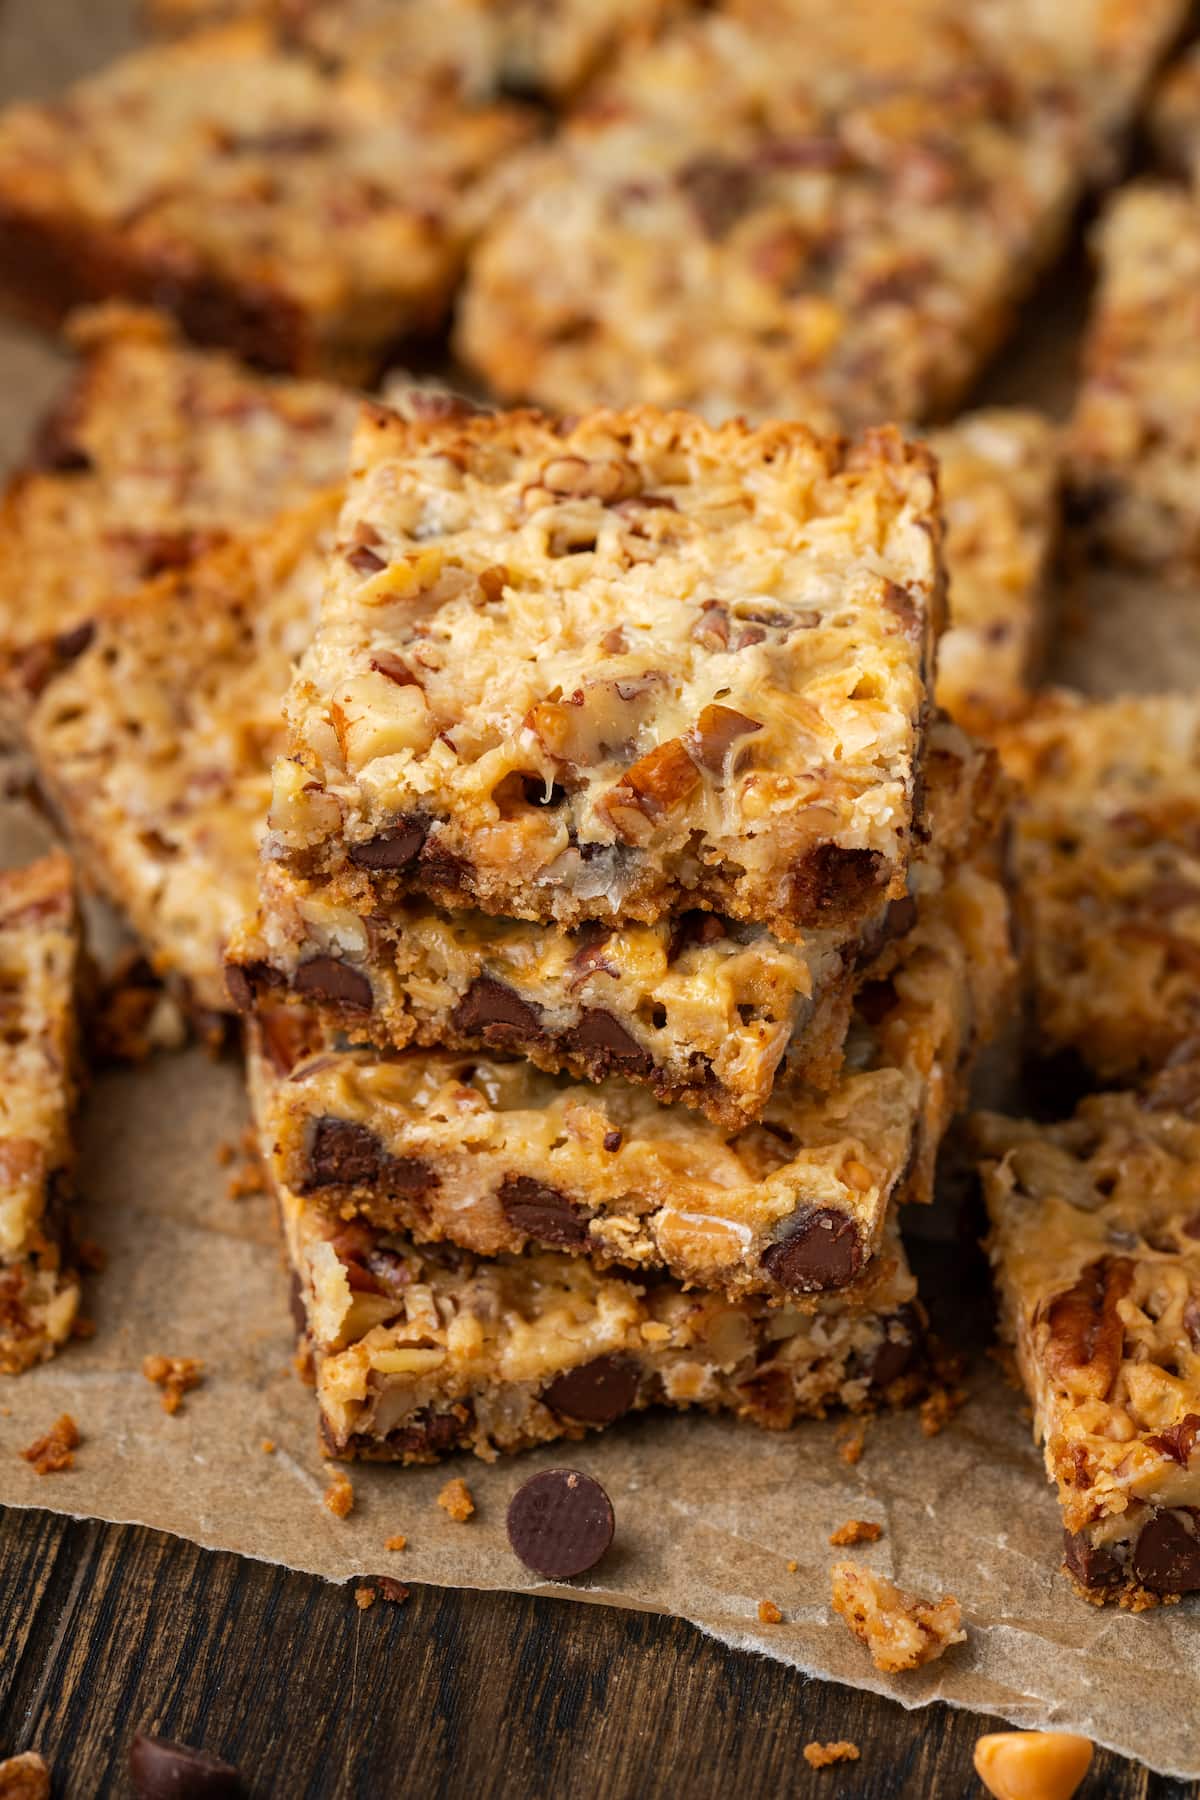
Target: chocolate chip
x=821 y=1250
x=543 y=1213
x=603 y=1043
x=342 y=1153
x=161 y=1770
x=613 y=1139
x=392 y=849
x=491 y=1010
x=832 y=879
x=71 y=644
x=1166 y=1557
x=429 y=1435
x=694 y=928
x=560 y=1523
x=1091 y=1566
x=596 y=1392
x=893 y=1358
x=328 y=978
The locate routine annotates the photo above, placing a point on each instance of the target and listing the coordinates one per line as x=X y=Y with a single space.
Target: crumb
x=339 y=1496
x=392 y=1590
x=248 y=1178
x=54 y=1452
x=769 y=1613
x=302 y=1363
x=851 y=1450
x=24 y=1777
x=940 y=1408
x=135 y=1015
x=364 y=1597
x=819 y=1756
x=792 y=1565
x=399 y=1542
x=900 y=1630
x=82 y=1328
x=91 y=1255
x=268 y=1446
x=225 y=1153
x=856 y=1531
x=455 y=1500
x=175 y=1375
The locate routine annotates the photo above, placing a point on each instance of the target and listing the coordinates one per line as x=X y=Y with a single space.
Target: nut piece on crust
x=900 y=1631
x=1032 y=1765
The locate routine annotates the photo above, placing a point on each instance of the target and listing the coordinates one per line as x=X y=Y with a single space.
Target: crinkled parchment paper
x=709 y=1512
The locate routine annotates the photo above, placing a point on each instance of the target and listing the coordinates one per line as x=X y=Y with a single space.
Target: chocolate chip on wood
x=162 y=1770
x=560 y=1523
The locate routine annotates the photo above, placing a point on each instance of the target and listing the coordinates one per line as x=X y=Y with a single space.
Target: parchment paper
x=708 y=1512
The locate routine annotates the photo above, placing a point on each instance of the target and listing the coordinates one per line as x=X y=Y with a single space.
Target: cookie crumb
x=248 y=1177
x=55 y=1452
x=364 y=1597
x=339 y=1496
x=769 y=1613
x=792 y=1565
x=900 y=1630
x=856 y=1531
x=225 y=1153
x=175 y=1375
x=399 y=1542
x=938 y=1410
x=820 y=1756
x=268 y=1446
x=24 y=1777
x=392 y=1590
x=455 y=1500
x=851 y=1450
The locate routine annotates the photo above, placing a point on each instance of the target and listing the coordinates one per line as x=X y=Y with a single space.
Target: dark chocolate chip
x=694 y=928
x=342 y=1153
x=595 y=1393
x=821 y=1250
x=1091 y=1566
x=543 y=1212
x=892 y=1359
x=70 y=644
x=492 y=1011
x=833 y=879
x=560 y=1523
x=244 y=982
x=328 y=978
x=1166 y=1557
x=430 y=1435
x=391 y=849
x=296 y=1304
x=161 y=1770
x=604 y=1044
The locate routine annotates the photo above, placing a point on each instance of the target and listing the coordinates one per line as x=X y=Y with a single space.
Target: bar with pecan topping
x=1105 y=850
x=154 y=455
x=214 y=173
x=1096 y=1246
x=616 y=667
x=496 y=1156
x=39 y=972
x=845 y=234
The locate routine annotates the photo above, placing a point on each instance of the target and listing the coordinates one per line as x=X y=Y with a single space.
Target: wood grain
x=105 y=1630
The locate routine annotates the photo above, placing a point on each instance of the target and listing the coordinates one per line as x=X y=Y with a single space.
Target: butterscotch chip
x=268 y=1446
x=398 y=1542
x=769 y=1613
x=24 y=1777
x=792 y=1565
x=820 y=1756
x=51 y=1454
x=364 y=1597
x=175 y=1375
x=339 y=1496
x=900 y=1630
x=455 y=1500
x=1032 y=1765
x=856 y=1531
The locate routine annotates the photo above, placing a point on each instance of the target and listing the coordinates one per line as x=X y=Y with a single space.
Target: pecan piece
x=655 y=784
x=1085 y=1336
x=715 y=732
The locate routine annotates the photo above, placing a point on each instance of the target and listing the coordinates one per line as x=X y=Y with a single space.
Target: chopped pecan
x=1085 y=1336
x=1178 y=1441
x=607 y=479
x=716 y=731
x=655 y=784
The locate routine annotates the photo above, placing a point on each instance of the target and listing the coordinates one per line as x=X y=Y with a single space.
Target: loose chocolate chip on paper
x=820 y=1251
x=560 y=1523
x=327 y=978
x=161 y=1770
x=596 y=1393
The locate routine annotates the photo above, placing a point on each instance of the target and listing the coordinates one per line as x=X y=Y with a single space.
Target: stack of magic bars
x=625 y=926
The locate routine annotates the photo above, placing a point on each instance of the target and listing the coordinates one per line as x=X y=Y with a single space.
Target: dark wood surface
x=106 y=1630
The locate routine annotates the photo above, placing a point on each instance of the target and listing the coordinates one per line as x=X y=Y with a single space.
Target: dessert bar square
x=497 y=1156
x=417 y=1352
x=213 y=174
x=154 y=741
x=154 y=454
x=614 y=667
x=999 y=479
x=1105 y=851
x=1096 y=1246
x=39 y=971
x=1133 y=446
x=697 y=1007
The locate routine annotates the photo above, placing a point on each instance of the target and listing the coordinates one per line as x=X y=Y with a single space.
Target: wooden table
x=105 y=1630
